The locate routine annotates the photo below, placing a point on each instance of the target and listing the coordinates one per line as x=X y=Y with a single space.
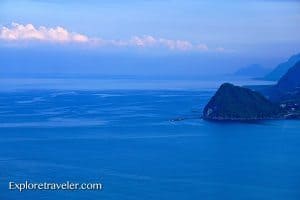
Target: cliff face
x=290 y=82
x=237 y=103
x=253 y=71
x=287 y=88
x=282 y=68
x=287 y=92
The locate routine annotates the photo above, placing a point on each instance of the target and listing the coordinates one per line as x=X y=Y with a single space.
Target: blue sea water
x=128 y=141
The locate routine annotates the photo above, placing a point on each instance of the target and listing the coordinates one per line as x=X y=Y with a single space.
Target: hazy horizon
x=145 y=38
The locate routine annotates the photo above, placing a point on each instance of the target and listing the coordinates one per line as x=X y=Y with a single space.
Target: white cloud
x=144 y=41
x=19 y=32
x=220 y=49
x=202 y=47
x=150 y=41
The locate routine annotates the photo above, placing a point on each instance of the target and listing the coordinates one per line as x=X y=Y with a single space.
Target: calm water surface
x=126 y=139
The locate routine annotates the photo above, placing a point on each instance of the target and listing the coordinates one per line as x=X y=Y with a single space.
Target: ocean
x=141 y=144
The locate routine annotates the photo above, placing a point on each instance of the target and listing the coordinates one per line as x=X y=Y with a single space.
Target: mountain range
x=282 y=68
x=281 y=101
x=254 y=70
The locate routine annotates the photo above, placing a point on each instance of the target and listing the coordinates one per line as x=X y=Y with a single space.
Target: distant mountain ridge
x=291 y=80
x=287 y=90
x=254 y=70
x=282 y=68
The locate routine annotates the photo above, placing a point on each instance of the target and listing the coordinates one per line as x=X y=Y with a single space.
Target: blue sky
x=237 y=33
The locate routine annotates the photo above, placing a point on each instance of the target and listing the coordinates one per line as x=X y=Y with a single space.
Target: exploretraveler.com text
x=54 y=186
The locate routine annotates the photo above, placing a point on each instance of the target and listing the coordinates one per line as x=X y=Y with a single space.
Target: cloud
x=202 y=47
x=220 y=49
x=150 y=41
x=19 y=32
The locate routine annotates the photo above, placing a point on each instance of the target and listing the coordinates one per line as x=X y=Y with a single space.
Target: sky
x=146 y=37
